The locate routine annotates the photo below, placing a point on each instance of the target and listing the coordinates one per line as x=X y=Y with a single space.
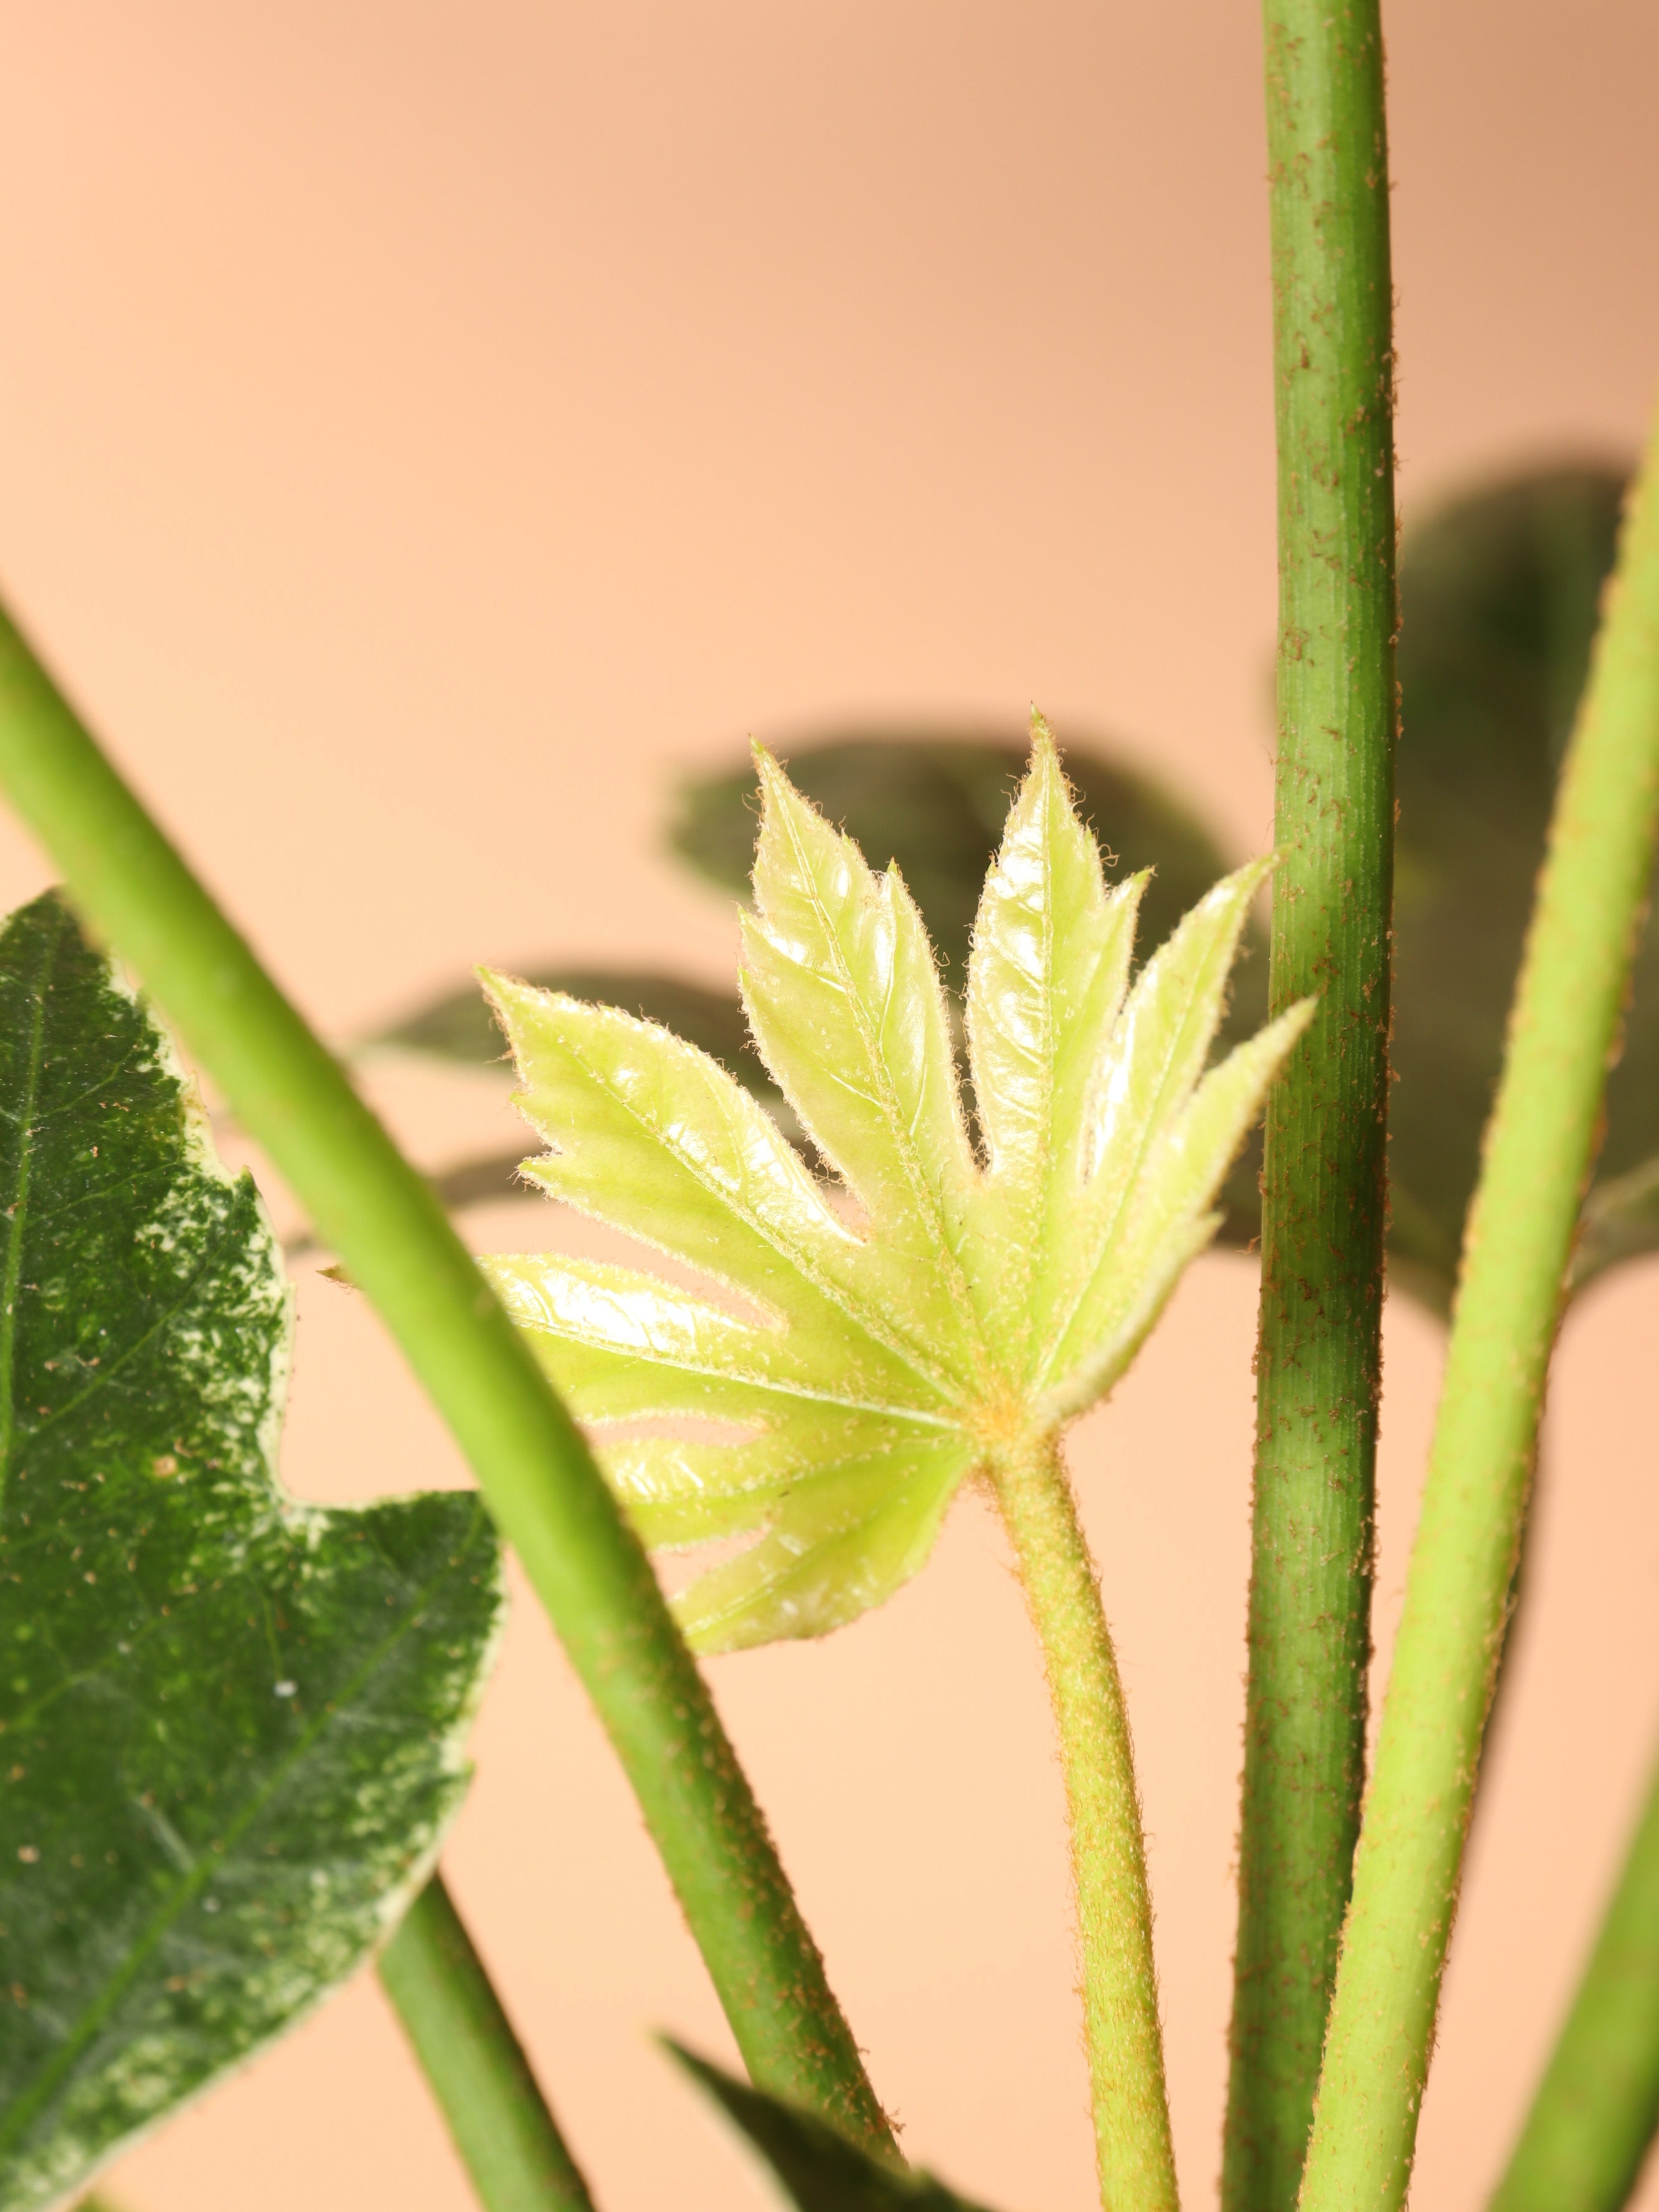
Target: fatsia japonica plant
x=926 y=1224
x=946 y=1321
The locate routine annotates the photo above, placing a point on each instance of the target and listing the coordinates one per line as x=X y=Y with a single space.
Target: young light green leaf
x=1046 y=979
x=818 y=2170
x=458 y=1026
x=932 y=802
x=230 y=1724
x=844 y=1003
x=1150 y=1138
x=875 y=1353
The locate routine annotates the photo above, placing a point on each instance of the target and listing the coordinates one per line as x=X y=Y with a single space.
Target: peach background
x=424 y=431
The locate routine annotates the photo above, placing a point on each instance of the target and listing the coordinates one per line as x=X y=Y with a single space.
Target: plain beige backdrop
x=428 y=429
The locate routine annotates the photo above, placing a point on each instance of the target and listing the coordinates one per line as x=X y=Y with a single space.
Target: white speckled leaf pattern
x=230 y=1725
x=872 y=1355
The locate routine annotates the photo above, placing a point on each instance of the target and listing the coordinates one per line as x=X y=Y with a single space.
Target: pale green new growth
x=957 y=1311
x=942 y=1317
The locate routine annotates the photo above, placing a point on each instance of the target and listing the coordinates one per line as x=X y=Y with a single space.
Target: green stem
x=508 y=2140
x=1132 y=2151
x=1319 y=1352
x=537 y=1475
x=1597 y=2106
x=1540 y=1146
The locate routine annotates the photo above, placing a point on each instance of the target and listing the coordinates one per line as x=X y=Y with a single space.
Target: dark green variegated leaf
x=818 y=2170
x=230 y=1725
x=1499 y=596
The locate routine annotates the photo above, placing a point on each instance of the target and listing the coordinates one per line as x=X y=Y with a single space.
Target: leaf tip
x=509 y=999
x=496 y=988
x=773 y=780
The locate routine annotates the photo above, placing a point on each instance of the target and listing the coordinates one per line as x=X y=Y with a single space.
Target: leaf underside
x=816 y=2169
x=872 y=1354
x=230 y=1725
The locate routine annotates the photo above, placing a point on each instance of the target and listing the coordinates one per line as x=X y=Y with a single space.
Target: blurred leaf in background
x=1499 y=593
x=815 y=2169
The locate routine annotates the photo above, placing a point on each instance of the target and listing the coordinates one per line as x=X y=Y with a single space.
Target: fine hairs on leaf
x=958 y=1309
x=232 y=1724
x=942 y=1316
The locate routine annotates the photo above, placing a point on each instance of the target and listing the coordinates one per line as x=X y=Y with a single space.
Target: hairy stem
x=508 y=2140
x=1132 y=2151
x=539 y=1478
x=1540 y=1146
x=1319 y=1353
x=1597 y=2106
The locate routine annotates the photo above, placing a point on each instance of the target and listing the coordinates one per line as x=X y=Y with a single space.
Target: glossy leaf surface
x=866 y=1357
x=231 y=1723
x=818 y=2170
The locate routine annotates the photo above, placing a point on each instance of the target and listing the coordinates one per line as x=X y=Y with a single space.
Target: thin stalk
x=537 y=1474
x=1540 y=1146
x=1319 y=1352
x=1132 y=2152
x=508 y=2140
x=1595 y=2111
